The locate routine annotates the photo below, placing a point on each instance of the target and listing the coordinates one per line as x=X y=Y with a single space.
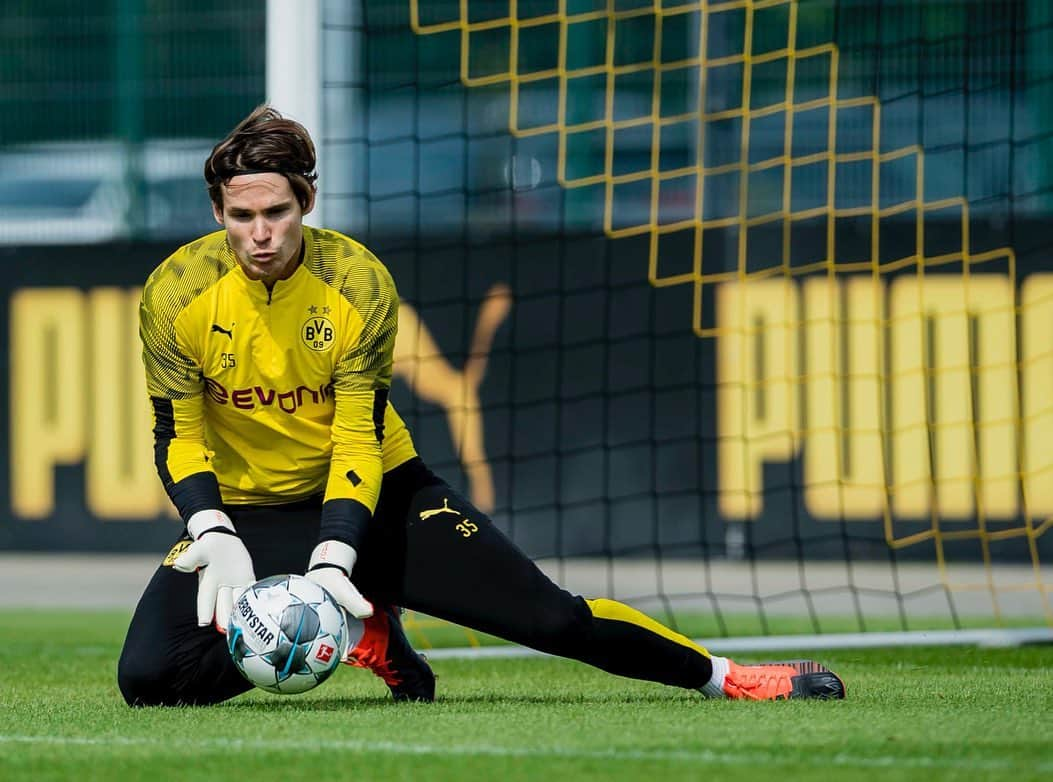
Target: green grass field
x=921 y=713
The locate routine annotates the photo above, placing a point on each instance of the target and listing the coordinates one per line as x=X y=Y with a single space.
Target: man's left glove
x=223 y=565
x=330 y=567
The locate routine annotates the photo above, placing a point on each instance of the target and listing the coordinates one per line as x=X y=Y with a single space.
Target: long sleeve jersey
x=269 y=396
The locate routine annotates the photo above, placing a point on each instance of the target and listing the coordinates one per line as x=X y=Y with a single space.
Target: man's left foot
x=385 y=650
x=781 y=680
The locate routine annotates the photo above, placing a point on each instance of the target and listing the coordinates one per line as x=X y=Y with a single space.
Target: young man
x=268 y=353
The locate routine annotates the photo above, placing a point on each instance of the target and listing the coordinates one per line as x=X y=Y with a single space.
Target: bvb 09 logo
x=318 y=333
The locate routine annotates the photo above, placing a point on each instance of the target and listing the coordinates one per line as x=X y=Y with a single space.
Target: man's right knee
x=143 y=682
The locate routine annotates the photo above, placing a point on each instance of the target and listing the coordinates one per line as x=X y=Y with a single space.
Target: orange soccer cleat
x=385 y=650
x=781 y=680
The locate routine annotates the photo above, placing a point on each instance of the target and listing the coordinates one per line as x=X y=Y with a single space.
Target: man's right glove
x=223 y=565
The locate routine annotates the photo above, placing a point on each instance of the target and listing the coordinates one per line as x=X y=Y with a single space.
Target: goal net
x=737 y=311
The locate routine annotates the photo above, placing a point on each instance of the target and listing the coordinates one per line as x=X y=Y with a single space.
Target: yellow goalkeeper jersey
x=280 y=394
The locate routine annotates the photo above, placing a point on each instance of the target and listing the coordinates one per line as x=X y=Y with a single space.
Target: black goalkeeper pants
x=428 y=550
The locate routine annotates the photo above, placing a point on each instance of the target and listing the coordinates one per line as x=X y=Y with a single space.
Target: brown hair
x=264 y=142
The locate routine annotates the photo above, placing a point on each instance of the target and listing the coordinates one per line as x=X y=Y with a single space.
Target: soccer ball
x=286 y=634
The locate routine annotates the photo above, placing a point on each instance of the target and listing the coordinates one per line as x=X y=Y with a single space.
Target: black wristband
x=196 y=492
x=224 y=530
x=344 y=520
x=323 y=565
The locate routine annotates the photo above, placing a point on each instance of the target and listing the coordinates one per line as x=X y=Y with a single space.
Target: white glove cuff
x=333 y=552
x=208 y=519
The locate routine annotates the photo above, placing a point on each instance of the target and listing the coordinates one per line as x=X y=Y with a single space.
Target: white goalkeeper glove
x=223 y=565
x=330 y=567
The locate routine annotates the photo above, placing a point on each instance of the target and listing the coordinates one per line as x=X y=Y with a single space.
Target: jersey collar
x=282 y=288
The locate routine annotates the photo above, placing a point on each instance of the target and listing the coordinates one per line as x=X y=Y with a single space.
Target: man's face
x=264 y=225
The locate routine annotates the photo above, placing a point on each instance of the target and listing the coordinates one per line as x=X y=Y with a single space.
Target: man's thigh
x=441 y=555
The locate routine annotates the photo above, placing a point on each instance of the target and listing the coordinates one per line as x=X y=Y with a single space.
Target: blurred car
x=83 y=192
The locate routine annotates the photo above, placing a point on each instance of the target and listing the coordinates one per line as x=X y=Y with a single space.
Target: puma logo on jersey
x=217 y=329
x=427 y=514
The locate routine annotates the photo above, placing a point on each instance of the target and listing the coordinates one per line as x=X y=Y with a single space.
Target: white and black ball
x=287 y=634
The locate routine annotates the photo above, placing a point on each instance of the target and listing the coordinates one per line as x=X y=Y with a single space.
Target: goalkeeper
x=268 y=355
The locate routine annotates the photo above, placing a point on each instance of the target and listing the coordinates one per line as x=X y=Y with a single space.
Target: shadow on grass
x=371 y=703
x=282 y=704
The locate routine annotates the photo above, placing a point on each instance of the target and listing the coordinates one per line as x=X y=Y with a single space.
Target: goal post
x=294 y=68
x=736 y=310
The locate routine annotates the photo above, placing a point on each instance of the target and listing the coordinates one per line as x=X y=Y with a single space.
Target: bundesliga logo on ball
x=287 y=634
